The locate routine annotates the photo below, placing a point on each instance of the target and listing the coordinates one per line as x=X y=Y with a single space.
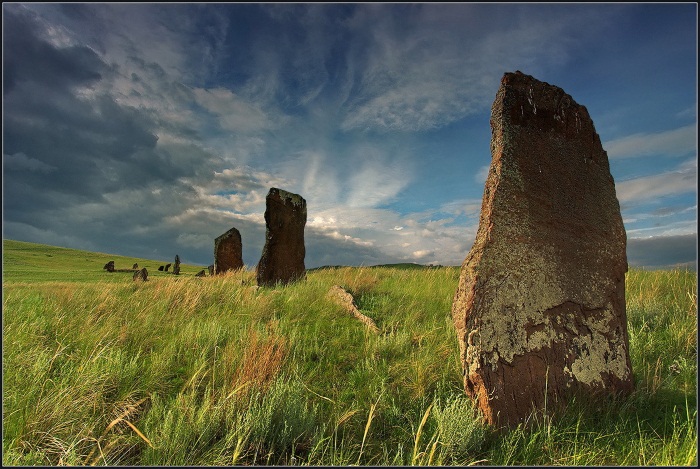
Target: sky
x=148 y=130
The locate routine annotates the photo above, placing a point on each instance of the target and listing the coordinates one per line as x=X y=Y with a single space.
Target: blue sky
x=150 y=129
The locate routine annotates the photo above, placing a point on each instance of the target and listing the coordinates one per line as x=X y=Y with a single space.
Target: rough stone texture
x=540 y=306
x=228 y=252
x=141 y=275
x=211 y=269
x=282 y=259
x=109 y=266
x=176 y=267
x=345 y=299
x=167 y=266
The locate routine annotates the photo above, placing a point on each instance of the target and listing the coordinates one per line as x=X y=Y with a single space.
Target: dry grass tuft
x=262 y=361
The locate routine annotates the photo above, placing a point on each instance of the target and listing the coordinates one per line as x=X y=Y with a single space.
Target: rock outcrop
x=109 y=266
x=282 y=259
x=540 y=306
x=228 y=252
x=346 y=300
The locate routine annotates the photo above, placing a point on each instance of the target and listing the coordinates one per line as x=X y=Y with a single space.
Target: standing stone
x=282 y=259
x=167 y=266
x=228 y=252
x=141 y=275
x=176 y=267
x=161 y=268
x=135 y=266
x=211 y=269
x=201 y=273
x=109 y=266
x=540 y=306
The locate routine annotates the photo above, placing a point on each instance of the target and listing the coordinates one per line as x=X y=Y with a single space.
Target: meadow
x=179 y=370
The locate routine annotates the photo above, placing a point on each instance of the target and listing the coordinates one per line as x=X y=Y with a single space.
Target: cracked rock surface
x=540 y=306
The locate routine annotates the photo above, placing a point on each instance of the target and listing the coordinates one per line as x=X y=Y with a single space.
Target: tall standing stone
x=228 y=252
x=540 y=306
x=176 y=267
x=282 y=259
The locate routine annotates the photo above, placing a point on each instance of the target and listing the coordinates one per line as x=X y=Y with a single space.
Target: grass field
x=179 y=370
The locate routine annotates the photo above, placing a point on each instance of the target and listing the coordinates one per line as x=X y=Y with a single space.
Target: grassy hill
x=179 y=370
x=30 y=262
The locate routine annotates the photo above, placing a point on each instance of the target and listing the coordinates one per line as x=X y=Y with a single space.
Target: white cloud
x=482 y=174
x=680 y=181
x=431 y=69
x=676 y=142
x=235 y=114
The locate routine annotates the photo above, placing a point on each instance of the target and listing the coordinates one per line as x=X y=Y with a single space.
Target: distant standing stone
x=282 y=259
x=135 y=266
x=228 y=252
x=161 y=268
x=167 y=266
x=141 y=275
x=176 y=267
x=201 y=273
x=109 y=266
x=540 y=306
x=211 y=269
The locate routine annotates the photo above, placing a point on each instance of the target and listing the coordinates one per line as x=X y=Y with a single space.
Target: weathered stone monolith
x=176 y=267
x=282 y=259
x=109 y=266
x=161 y=268
x=135 y=266
x=211 y=269
x=141 y=275
x=201 y=273
x=540 y=306
x=167 y=266
x=228 y=252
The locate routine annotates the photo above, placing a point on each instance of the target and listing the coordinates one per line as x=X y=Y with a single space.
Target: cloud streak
x=680 y=181
x=677 y=142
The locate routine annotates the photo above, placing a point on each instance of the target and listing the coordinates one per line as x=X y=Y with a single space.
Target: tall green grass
x=98 y=369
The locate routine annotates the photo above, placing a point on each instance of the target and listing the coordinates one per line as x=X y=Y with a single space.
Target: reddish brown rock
x=228 y=252
x=282 y=259
x=540 y=306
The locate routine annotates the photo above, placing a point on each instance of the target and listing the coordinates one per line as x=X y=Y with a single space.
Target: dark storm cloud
x=67 y=143
x=28 y=59
x=663 y=251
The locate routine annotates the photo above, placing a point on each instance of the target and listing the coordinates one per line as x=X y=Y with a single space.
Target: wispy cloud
x=680 y=181
x=676 y=142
